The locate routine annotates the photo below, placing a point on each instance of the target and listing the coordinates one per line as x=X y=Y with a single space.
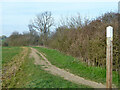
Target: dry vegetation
x=86 y=40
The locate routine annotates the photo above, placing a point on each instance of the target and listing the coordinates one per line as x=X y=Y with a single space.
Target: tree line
x=82 y=39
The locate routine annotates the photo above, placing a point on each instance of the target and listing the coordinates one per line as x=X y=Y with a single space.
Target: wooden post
x=109 y=56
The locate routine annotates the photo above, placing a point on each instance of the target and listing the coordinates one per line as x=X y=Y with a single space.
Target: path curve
x=46 y=65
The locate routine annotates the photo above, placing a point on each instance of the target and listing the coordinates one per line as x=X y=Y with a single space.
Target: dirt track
x=46 y=65
x=12 y=67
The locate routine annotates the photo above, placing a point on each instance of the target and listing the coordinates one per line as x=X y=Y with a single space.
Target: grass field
x=30 y=75
x=74 y=65
x=8 y=53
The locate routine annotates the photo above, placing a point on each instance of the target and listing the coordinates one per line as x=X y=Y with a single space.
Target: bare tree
x=43 y=23
x=73 y=22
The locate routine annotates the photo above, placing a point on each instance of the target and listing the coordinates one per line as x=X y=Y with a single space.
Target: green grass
x=32 y=76
x=75 y=66
x=8 y=53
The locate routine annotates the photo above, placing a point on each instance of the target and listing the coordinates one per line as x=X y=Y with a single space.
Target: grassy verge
x=32 y=76
x=8 y=53
x=74 y=65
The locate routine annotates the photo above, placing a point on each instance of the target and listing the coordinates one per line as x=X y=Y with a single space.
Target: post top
x=109 y=30
x=109 y=27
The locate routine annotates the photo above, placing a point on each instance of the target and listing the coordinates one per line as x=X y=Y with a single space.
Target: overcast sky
x=16 y=16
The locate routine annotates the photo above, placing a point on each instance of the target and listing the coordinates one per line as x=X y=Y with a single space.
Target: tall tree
x=43 y=23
